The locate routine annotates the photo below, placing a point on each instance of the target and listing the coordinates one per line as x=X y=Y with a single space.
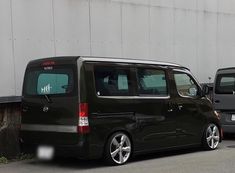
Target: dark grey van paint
x=224 y=102
x=124 y=106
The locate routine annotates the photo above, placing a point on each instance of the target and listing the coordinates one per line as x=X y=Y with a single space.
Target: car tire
x=211 y=137
x=118 y=149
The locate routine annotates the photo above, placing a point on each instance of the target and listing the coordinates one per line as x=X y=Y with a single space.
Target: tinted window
x=49 y=81
x=112 y=81
x=52 y=83
x=225 y=84
x=185 y=84
x=152 y=82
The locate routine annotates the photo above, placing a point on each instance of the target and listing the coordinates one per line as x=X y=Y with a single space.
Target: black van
x=93 y=107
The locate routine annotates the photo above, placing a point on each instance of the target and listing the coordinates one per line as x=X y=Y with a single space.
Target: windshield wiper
x=48 y=98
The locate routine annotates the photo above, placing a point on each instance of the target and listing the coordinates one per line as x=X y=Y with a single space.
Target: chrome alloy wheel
x=212 y=136
x=120 y=148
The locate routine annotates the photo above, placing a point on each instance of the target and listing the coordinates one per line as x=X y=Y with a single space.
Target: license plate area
x=45 y=152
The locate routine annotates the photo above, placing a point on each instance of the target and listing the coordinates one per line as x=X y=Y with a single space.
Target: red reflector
x=83 y=124
x=83 y=110
x=47 y=63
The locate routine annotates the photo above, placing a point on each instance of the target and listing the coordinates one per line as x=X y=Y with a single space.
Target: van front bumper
x=227 y=122
x=228 y=128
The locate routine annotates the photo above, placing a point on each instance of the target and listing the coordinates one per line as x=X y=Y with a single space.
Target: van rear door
x=50 y=102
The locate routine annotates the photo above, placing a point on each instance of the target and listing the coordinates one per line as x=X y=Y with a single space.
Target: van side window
x=225 y=84
x=112 y=81
x=185 y=84
x=152 y=82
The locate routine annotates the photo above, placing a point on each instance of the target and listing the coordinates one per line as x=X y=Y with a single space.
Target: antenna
x=209 y=78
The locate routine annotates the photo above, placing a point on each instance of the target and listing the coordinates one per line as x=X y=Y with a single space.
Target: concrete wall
x=199 y=34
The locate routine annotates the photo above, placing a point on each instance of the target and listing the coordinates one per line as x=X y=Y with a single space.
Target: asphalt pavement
x=195 y=160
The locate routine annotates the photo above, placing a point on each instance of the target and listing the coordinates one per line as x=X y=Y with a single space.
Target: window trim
x=133 y=76
x=192 y=77
x=134 y=97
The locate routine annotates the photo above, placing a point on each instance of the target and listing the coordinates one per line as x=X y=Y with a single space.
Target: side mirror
x=205 y=90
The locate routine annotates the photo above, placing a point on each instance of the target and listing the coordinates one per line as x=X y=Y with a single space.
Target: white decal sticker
x=46 y=89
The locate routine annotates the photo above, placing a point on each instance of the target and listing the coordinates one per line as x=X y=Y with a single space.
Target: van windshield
x=49 y=81
x=225 y=84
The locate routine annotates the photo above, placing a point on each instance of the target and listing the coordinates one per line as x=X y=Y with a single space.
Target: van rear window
x=225 y=84
x=49 y=81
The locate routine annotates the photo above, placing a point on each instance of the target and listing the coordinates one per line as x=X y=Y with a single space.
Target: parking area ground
x=183 y=161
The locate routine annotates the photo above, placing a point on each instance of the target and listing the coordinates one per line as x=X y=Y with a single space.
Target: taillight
x=48 y=63
x=83 y=123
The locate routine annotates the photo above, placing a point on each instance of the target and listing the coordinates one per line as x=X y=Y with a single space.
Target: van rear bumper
x=65 y=151
x=79 y=151
x=64 y=144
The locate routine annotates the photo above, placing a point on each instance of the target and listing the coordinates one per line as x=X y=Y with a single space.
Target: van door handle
x=180 y=107
x=25 y=108
x=217 y=101
x=170 y=107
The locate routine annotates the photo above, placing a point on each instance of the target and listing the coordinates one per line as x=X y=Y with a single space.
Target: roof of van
x=227 y=68
x=128 y=60
x=59 y=60
x=106 y=59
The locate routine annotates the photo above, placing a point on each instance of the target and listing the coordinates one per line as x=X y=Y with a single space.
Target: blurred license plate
x=233 y=117
x=45 y=152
